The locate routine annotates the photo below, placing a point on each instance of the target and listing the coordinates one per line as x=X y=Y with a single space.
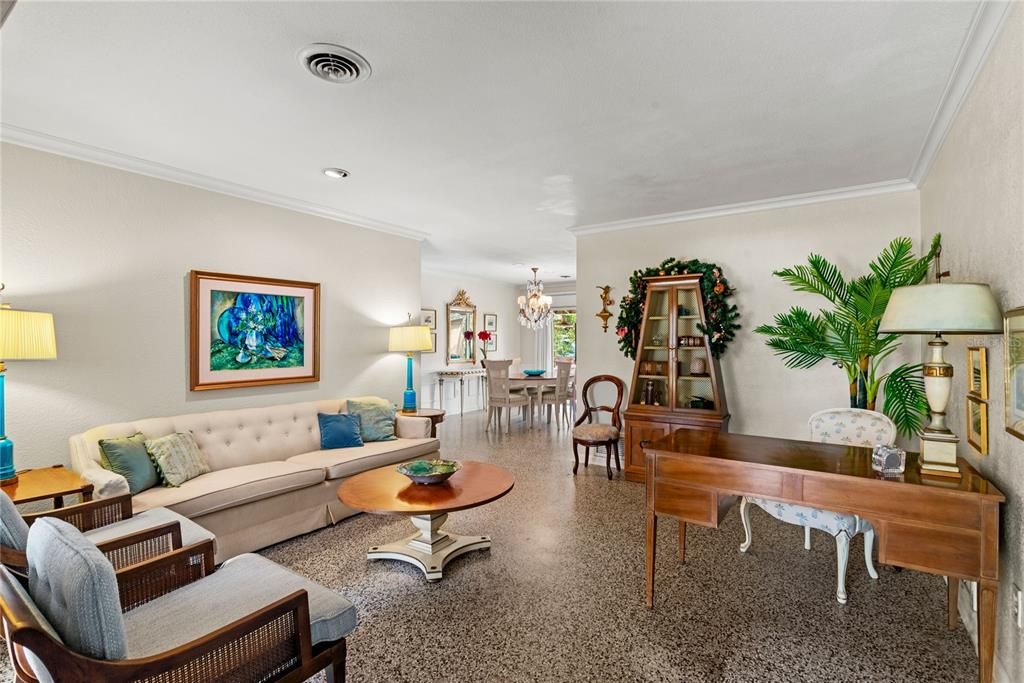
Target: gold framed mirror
x=461 y=318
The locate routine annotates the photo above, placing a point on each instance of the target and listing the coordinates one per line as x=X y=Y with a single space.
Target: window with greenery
x=563 y=334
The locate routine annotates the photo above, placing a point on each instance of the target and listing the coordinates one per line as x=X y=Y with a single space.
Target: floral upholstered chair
x=852 y=427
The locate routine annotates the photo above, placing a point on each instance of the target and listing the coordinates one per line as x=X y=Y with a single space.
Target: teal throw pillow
x=376 y=418
x=127 y=456
x=339 y=430
x=178 y=457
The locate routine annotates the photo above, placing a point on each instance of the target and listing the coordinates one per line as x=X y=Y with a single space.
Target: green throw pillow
x=376 y=418
x=127 y=456
x=178 y=458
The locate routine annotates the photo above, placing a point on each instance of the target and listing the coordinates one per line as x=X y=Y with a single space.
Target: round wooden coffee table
x=385 y=491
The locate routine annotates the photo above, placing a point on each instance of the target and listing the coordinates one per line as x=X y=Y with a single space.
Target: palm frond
x=919 y=270
x=894 y=262
x=905 y=401
x=799 y=337
x=820 y=277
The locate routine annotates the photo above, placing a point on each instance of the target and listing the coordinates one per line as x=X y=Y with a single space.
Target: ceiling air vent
x=334 y=63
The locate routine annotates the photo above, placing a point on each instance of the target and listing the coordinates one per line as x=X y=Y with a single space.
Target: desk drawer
x=951 y=552
x=689 y=504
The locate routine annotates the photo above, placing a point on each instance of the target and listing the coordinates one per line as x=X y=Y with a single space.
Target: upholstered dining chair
x=592 y=434
x=556 y=399
x=123 y=537
x=172 y=618
x=500 y=395
x=853 y=427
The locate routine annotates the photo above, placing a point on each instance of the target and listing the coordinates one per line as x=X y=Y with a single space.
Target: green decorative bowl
x=429 y=471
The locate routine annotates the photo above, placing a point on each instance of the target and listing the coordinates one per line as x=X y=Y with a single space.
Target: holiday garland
x=721 y=315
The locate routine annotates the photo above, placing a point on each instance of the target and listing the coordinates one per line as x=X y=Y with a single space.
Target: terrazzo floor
x=559 y=597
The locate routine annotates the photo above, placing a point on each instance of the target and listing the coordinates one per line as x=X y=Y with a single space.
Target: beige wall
x=108 y=253
x=974 y=196
x=489 y=297
x=764 y=396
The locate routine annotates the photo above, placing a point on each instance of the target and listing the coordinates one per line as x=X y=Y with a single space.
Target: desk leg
x=440 y=393
x=988 y=591
x=652 y=540
x=682 y=541
x=952 y=602
x=462 y=394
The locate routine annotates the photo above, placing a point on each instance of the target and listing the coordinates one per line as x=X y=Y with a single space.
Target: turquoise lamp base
x=409 y=396
x=7 y=472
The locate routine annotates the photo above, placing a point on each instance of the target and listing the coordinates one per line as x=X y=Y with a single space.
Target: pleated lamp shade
x=26 y=335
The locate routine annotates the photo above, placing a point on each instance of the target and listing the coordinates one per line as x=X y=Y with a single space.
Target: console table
x=478 y=373
x=929 y=524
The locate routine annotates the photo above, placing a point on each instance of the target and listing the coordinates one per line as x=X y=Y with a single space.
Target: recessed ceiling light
x=335 y=173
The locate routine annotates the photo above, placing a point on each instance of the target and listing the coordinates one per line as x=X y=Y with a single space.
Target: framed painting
x=1013 y=333
x=492 y=343
x=249 y=331
x=977 y=372
x=433 y=342
x=428 y=317
x=977 y=424
x=491 y=322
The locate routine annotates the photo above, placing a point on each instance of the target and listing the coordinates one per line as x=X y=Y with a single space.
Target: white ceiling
x=491 y=127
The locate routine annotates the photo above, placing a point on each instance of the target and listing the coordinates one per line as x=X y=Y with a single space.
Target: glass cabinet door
x=693 y=386
x=652 y=385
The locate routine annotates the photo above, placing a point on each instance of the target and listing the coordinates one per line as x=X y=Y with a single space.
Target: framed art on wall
x=1013 y=338
x=428 y=317
x=247 y=331
x=491 y=323
x=433 y=342
x=977 y=424
x=977 y=372
x=492 y=343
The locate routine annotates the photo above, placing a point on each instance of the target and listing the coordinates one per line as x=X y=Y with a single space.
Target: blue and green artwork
x=255 y=331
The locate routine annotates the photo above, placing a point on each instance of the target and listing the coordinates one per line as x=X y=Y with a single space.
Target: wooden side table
x=436 y=416
x=48 y=483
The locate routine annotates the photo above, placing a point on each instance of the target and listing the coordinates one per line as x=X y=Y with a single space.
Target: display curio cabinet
x=677 y=383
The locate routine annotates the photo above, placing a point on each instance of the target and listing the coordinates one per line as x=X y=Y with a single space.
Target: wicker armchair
x=125 y=539
x=271 y=643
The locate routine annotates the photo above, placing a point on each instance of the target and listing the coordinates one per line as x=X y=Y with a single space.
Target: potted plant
x=484 y=336
x=846 y=332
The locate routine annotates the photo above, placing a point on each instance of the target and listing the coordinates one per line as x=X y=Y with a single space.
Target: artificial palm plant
x=847 y=334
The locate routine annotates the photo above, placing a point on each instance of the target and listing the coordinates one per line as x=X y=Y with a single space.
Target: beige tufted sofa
x=269 y=480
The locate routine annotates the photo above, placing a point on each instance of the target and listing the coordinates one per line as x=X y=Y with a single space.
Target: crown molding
x=988 y=20
x=49 y=143
x=787 y=201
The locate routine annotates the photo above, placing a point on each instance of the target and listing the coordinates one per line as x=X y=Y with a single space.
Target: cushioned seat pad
x=832 y=523
x=344 y=462
x=595 y=432
x=241 y=586
x=228 y=488
x=190 y=531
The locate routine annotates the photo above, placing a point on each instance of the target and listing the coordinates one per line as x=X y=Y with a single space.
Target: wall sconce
x=606 y=300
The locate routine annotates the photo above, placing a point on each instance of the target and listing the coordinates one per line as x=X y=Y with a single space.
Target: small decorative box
x=888 y=459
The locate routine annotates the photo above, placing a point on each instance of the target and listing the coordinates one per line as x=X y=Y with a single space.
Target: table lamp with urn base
x=24 y=335
x=940 y=309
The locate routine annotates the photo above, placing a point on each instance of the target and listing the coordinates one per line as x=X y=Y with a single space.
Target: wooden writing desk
x=936 y=525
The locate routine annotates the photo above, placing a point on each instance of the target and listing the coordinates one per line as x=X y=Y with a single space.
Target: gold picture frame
x=1013 y=360
x=249 y=331
x=977 y=424
x=977 y=372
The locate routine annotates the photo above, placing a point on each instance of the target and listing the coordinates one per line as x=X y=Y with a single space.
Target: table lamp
x=941 y=308
x=24 y=335
x=409 y=339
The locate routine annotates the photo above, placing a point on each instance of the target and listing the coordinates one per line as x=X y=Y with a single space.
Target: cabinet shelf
x=690 y=348
x=685 y=317
x=692 y=378
x=658 y=377
x=655 y=348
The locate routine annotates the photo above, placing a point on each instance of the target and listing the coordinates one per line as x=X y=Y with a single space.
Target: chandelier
x=535 y=307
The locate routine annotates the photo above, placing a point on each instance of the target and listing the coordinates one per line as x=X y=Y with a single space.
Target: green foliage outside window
x=563 y=334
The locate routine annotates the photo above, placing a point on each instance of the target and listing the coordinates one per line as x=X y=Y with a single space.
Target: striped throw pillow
x=178 y=458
